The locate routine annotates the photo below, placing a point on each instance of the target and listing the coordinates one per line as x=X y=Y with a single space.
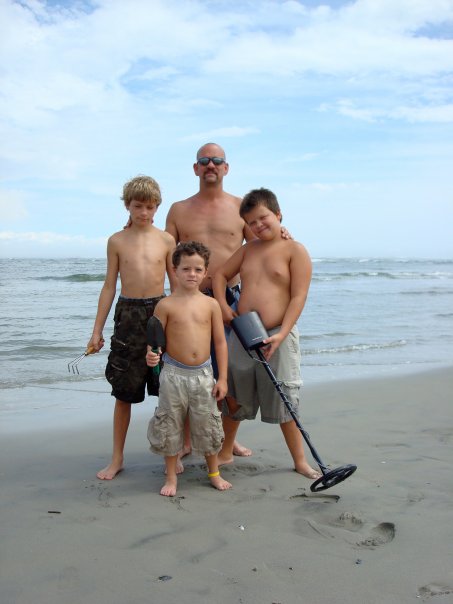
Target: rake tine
x=73 y=365
x=74 y=362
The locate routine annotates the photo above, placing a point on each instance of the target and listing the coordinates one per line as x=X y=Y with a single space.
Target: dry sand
x=383 y=536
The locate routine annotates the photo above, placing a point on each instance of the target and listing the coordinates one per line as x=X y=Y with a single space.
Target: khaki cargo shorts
x=253 y=389
x=182 y=392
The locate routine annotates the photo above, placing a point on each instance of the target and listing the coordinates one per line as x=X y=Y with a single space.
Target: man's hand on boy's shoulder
x=286 y=234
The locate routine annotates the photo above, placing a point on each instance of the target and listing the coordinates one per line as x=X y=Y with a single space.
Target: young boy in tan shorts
x=187 y=385
x=140 y=255
x=275 y=278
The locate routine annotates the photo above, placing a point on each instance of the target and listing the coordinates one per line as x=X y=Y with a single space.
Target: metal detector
x=155 y=337
x=251 y=333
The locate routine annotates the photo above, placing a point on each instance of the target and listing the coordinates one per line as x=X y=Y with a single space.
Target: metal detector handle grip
x=155 y=337
x=156 y=368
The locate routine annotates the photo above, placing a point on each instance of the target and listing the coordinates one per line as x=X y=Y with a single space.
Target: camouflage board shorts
x=127 y=371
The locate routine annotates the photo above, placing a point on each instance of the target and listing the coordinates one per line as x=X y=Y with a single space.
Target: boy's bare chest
x=147 y=251
x=186 y=314
x=267 y=266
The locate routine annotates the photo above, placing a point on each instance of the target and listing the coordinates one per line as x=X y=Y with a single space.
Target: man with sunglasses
x=211 y=216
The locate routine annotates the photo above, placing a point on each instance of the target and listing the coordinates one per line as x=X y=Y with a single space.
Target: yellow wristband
x=213 y=474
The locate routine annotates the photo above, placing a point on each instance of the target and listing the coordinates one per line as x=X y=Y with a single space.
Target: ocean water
x=364 y=317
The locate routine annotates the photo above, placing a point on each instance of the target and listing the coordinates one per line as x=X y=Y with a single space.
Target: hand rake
x=251 y=333
x=73 y=365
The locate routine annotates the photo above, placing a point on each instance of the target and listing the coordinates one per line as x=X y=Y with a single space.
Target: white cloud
x=323 y=93
x=48 y=238
x=50 y=245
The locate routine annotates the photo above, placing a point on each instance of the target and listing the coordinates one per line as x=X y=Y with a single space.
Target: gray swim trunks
x=251 y=386
x=186 y=391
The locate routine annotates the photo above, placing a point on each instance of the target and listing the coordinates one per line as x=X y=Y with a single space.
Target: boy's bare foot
x=307 y=471
x=169 y=488
x=110 y=471
x=240 y=450
x=219 y=483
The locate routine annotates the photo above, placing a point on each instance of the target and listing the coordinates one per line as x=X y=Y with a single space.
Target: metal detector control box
x=250 y=330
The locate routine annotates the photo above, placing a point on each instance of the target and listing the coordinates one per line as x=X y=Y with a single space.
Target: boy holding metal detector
x=184 y=324
x=275 y=278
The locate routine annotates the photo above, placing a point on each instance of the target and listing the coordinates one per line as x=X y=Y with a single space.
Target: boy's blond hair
x=141 y=188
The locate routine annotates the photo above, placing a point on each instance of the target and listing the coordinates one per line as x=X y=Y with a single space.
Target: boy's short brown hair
x=141 y=188
x=190 y=248
x=257 y=197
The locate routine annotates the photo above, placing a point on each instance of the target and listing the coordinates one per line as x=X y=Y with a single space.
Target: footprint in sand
x=104 y=497
x=349 y=521
x=415 y=497
x=315 y=498
x=250 y=469
x=380 y=535
x=434 y=589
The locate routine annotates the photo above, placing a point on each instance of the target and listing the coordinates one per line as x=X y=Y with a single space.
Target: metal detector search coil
x=251 y=333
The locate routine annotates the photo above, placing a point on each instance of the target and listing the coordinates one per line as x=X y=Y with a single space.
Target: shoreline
x=383 y=536
x=61 y=405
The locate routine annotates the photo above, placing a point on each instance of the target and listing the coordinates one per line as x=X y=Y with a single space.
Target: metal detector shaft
x=289 y=406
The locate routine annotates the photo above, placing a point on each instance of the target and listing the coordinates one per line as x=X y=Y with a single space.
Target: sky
x=343 y=108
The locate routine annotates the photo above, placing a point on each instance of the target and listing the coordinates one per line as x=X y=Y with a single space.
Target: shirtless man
x=211 y=217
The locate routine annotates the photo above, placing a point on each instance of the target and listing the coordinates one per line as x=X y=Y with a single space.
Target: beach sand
x=383 y=536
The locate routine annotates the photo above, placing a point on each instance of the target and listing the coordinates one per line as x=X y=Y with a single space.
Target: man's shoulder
x=182 y=203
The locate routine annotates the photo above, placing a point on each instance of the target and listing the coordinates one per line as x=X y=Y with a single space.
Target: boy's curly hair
x=190 y=248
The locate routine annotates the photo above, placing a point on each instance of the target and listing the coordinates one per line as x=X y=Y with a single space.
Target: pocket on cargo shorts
x=118 y=362
x=158 y=429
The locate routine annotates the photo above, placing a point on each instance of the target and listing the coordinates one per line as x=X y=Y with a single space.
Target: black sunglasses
x=204 y=161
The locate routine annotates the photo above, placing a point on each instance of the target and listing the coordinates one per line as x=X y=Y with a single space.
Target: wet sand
x=384 y=536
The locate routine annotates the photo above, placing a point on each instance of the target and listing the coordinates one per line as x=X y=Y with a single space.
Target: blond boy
x=190 y=321
x=275 y=278
x=140 y=255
